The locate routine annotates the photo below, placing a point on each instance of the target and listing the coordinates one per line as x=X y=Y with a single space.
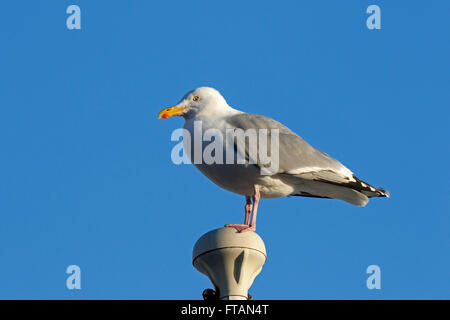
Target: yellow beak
x=171 y=111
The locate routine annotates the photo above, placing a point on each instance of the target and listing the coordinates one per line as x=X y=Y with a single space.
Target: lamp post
x=231 y=260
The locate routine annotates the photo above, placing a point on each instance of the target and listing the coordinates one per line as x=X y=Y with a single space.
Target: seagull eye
x=195 y=98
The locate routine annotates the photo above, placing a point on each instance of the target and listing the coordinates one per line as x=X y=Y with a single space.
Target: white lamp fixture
x=231 y=260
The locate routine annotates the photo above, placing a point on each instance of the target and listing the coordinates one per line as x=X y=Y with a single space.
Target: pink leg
x=256 y=198
x=248 y=211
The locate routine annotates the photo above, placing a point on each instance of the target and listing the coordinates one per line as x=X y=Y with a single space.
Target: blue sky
x=86 y=176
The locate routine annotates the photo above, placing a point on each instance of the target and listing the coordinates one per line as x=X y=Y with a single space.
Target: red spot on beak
x=165 y=116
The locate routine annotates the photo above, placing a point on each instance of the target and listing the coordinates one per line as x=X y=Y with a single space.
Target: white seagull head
x=204 y=100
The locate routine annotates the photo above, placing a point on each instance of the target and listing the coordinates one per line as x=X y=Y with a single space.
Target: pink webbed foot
x=241 y=227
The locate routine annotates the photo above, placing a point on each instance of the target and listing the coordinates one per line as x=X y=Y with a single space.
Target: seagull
x=302 y=170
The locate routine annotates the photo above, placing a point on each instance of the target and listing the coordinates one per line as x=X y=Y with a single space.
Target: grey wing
x=296 y=156
x=298 y=159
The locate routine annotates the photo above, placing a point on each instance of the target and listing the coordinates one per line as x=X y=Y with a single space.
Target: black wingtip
x=384 y=193
x=368 y=190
